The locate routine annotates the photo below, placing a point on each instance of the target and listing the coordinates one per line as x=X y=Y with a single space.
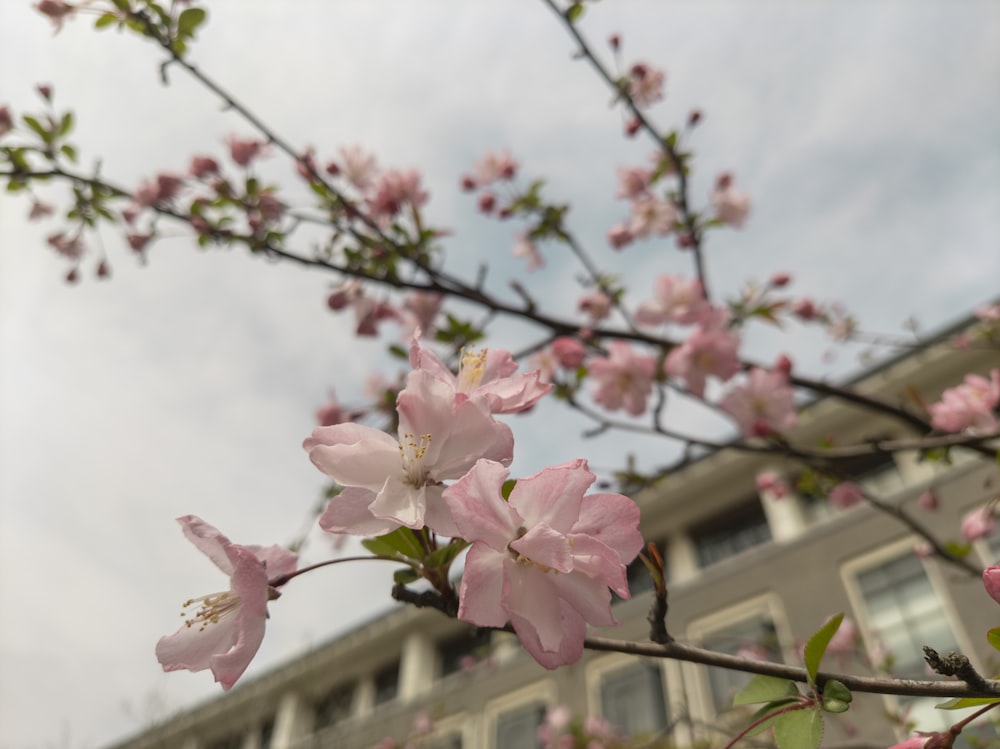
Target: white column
x=416 y=666
x=682 y=560
x=784 y=513
x=365 y=696
x=291 y=721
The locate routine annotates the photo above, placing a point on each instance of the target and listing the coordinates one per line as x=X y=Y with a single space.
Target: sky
x=865 y=134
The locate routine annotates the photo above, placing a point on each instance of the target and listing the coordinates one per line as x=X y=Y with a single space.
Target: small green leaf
x=836 y=697
x=446 y=554
x=405 y=576
x=957 y=549
x=763 y=688
x=401 y=541
x=122 y=4
x=398 y=351
x=800 y=729
x=574 y=12
x=817 y=644
x=68 y=151
x=105 y=20
x=66 y=124
x=960 y=703
x=993 y=638
x=189 y=21
x=507 y=488
x=37 y=126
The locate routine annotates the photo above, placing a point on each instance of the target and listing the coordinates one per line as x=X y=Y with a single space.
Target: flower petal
x=553 y=495
x=478 y=508
x=482 y=583
x=349 y=512
x=612 y=519
x=209 y=541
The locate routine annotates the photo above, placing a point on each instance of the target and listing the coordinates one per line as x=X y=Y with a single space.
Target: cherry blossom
x=544 y=559
x=645 y=84
x=991 y=579
x=392 y=482
x=763 y=405
x=394 y=191
x=917 y=742
x=244 y=150
x=773 y=483
x=6 y=120
x=846 y=494
x=624 y=379
x=486 y=373
x=619 y=236
x=677 y=300
x=731 y=207
x=633 y=182
x=569 y=352
x=705 y=352
x=526 y=249
x=226 y=630
x=56 y=10
x=359 y=168
x=652 y=216
x=596 y=304
x=970 y=406
x=494 y=167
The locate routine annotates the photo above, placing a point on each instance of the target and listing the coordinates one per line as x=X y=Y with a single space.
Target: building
x=745 y=569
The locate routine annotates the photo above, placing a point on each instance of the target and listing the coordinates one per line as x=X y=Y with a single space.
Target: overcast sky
x=865 y=133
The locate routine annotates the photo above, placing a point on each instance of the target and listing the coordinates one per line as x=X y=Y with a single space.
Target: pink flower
x=645 y=84
x=623 y=378
x=227 y=628
x=138 y=242
x=56 y=11
x=569 y=352
x=652 y=216
x=494 y=167
x=633 y=182
x=979 y=523
x=705 y=352
x=928 y=501
x=677 y=300
x=731 y=207
x=845 y=494
x=392 y=482
x=525 y=248
x=596 y=304
x=991 y=579
x=40 y=210
x=763 y=405
x=619 y=236
x=163 y=187
x=970 y=406
x=917 y=742
x=203 y=166
x=69 y=247
x=772 y=483
x=544 y=559
x=423 y=307
x=986 y=313
x=244 y=150
x=359 y=168
x=396 y=190
x=486 y=373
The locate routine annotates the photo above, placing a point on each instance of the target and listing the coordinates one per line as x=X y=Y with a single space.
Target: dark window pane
x=333 y=707
x=632 y=699
x=518 y=729
x=467 y=649
x=752 y=637
x=740 y=529
x=387 y=684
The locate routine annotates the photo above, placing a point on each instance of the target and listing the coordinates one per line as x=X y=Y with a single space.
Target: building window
x=518 y=729
x=233 y=741
x=739 y=529
x=633 y=699
x=387 y=684
x=266 y=734
x=904 y=614
x=755 y=638
x=333 y=707
x=451 y=741
x=464 y=651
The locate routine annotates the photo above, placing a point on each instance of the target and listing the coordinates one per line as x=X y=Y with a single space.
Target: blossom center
x=471 y=370
x=211 y=609
x=524 y=560
x=412 y=449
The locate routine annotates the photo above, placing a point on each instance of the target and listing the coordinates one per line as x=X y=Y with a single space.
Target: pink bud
x=569 y=352
x=632 y=127
x=928 y=501
x=505 y=213
x=202 y=166
x=44 y=88
x=694 y=118
x=332 y=169
x=779 y=280
x=619 y=236
x=72 y=276
x=723 y=181
x=685 y=241
x=845 y=494
x=615 y=42
x=468 y=183
x=979 y=523
x=487 y=202
x=6 y=120
x=991 y=579
x=103 y=271
x=805 y=309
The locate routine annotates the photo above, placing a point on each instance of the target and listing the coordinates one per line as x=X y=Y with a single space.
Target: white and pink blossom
x=731 y=206
x=623 y=378
x=494 y=167
x=677 y=300
x=226 y=629
x=645 y=84
x=762 y=405
x=652 y=216
x=486 y=373
x=979 y=523
x=392 y=482
x=706 y=352
x=544 y=559
x=846 y=494
x=969 y=407
x=596 y=304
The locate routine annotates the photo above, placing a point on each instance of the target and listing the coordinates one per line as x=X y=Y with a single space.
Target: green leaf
x=801 y=729
x=105 y=20
x=66 y=124
x=836 y=697
x=993 y=638
x=401 y=541
x=817 y=644
x=405 y=576
x=399 y=352
x=957 y=549
x=69 y=152
x=189 y=21
x=446 y=554
x=574 y=12
x=763 y=688
x=960 y=703
x=37 y=126
x=122 y=4
x=507 y=488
